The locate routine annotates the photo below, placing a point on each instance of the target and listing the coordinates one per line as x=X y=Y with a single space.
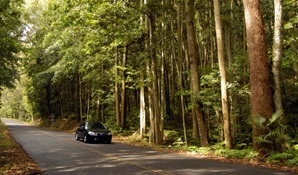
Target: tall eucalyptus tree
x=195 y=83
x=260 y=96
x=223 y=78
x=277 y=56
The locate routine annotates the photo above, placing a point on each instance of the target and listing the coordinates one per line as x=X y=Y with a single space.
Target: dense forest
x=212 y=71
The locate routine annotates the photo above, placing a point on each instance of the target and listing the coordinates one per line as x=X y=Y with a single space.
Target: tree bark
x=155 y=92
x=123 y=90
x=180 y=67
x=193 y=56
x=142 y=88
x=148 y=70
x=260 y=96
x=88 y=96
x=142 y=109
x=117 y=107
x=277 y=57
x=80 y=97
x=223 y=78
x=154 y=84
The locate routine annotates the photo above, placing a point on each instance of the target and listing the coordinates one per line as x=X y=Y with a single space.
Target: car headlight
x=109 y=133
x=92 y=133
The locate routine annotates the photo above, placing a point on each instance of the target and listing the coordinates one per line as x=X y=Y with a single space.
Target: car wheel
x=77 y=136
x=86 y=138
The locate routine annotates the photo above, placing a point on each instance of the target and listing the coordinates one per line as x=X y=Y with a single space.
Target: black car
x=93 y=131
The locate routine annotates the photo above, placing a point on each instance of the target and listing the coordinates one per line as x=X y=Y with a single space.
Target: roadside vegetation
x=13 y=159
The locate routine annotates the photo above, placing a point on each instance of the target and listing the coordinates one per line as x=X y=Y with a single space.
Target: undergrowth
x=288 y=157
x=5 y=145
x=172 y=141
x=220 y=151
x=5 y=141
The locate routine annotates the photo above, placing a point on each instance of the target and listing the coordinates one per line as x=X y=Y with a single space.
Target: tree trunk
x=260 y=97
x=155 y=91
x=142 y=109
x=142 y=88
x=223 y=79
x=192 y=46
x=117 y=107
x=102 y=113
x=195 y=123
x=180 y=67
x=123 y=90
x=148 y=70
x=80 y=97
x=277 y=56
x=97 y=109
x=48 y=95
x=155 y=95
x=163 y=81
x=88 y=94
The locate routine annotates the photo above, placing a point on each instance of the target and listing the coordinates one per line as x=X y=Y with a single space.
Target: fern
x=259 y=122
x=274 y=117
x=280 y=157
x=292 y=162
x=275 y=131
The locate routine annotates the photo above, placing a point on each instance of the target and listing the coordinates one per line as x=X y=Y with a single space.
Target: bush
x=170 y=136
x=293 y=162
x=280 y=157
x=200 y=150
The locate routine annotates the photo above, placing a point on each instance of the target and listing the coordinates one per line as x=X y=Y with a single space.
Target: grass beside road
x=13 y=159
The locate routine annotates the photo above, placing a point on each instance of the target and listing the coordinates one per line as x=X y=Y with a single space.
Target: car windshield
x=95 y=126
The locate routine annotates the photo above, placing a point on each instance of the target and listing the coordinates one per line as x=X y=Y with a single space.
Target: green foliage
x=209 y=82
x=76 y=49
x=5 y=142
x=274 y=131
x=5 y=146
x=293 y=162
x=200 y=150
x=236 y=154
x=220 y=150
x=279 y=157
x=15 y=102
x=289 y=64
x=10 y=40
x=171 y=136
x=288 y=157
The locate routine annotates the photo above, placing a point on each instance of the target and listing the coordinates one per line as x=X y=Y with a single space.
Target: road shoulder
x=14 y=160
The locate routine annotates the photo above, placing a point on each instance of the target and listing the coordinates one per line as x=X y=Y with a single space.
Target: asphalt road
x=59 y=153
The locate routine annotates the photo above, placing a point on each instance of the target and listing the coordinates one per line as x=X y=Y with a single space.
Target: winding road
x=58 y=153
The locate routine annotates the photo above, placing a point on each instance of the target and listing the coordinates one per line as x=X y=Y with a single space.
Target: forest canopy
x=10 y=45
